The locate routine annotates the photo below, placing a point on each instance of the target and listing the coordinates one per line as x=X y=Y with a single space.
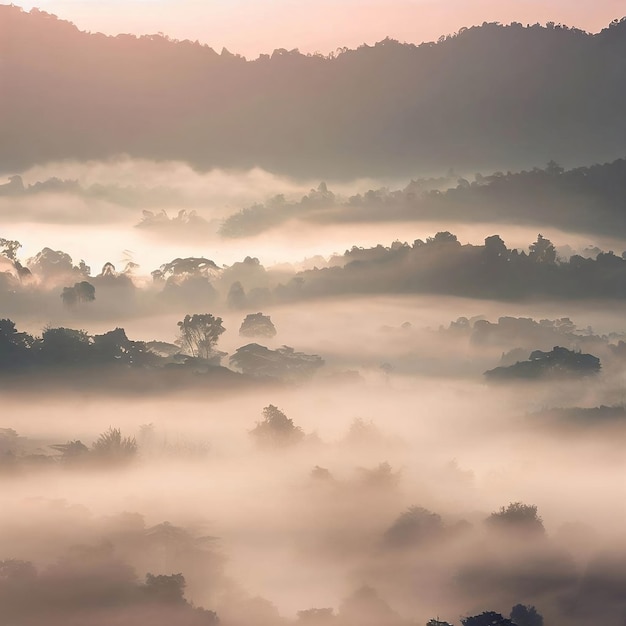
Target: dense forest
x=235 y=395
x=438 y=265
x=486 y=97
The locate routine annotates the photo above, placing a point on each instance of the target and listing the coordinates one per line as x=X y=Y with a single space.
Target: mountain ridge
x=490 y=96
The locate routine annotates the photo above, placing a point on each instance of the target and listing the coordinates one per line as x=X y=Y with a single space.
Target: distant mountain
x=489 y=97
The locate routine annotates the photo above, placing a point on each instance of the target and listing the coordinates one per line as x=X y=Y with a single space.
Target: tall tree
x=199 y=334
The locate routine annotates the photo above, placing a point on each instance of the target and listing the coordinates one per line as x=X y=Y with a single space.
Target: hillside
x=488 y=97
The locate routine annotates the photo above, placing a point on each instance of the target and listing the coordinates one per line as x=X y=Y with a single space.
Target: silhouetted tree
x=165 y=589
x=284 y=362
x=111 y=447
x=517 y=517
x=199 y=334
x=64 y=346
x=542 y=251
x=413 y=527
x=52 y=264
x=80 y=292
x=489 y=618
x=72 y=452
x=526 y=616
x=557 y=363
x=257 y=325
x=15 y=347
x=276 y=429
x=9 y=248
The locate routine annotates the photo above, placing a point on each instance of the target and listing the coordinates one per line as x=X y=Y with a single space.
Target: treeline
x=585 y=199
x=72 y=593
x=515 y=557
x=485 y=97
x=438 y=265
x=470 y=562
x=442 y=265
x=60 y=349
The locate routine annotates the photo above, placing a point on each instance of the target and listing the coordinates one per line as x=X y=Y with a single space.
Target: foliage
x=64 y=346
x=166 y=589
x=559 y=362
x=9 y=248
x=380 y=477
x=72 y=451
x=526 y=616
x=257 y=325
x=112 y=447
x=80 y=292
x=284 y=362
x=488 y=618
x=388 y=128
x=517 y=516
x=276 y=429
x=199 y=334
x=414 y=526
x=90 y=585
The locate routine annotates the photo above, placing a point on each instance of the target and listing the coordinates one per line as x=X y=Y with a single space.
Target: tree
x=64 y=346
x=72 y=451
x=443 y=238
x=166 y=589
x=257 y=325
x=495 y=248
x=412 y=527
x=553 y=168
x=276 y=429
x=542 y=251
x=284 y=362
x=517 y=516
x=559 y=362
x=9 y=248
x=366 y=608
x=14 y=346
x=437 y=622
x=488 y=618
x=52 y=264
x=526 y=616
x=188 y=267
x=80 y=292
x=112 y=447
x=199 y=334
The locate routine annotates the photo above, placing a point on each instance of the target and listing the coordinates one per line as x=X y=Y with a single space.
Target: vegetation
x=276 y=429
x=385 y=523
x=462 y=115
x=257 y=325
x=558 y=362
x=199 y=335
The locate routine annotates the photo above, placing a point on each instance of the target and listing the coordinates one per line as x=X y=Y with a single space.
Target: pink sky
x=250 y=27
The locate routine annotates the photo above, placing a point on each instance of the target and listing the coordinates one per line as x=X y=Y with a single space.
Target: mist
x=329 y=340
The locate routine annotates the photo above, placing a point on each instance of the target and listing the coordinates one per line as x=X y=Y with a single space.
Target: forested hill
x=489 y=97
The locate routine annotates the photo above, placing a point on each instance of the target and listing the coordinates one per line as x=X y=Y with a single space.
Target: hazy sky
x=253 y=26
